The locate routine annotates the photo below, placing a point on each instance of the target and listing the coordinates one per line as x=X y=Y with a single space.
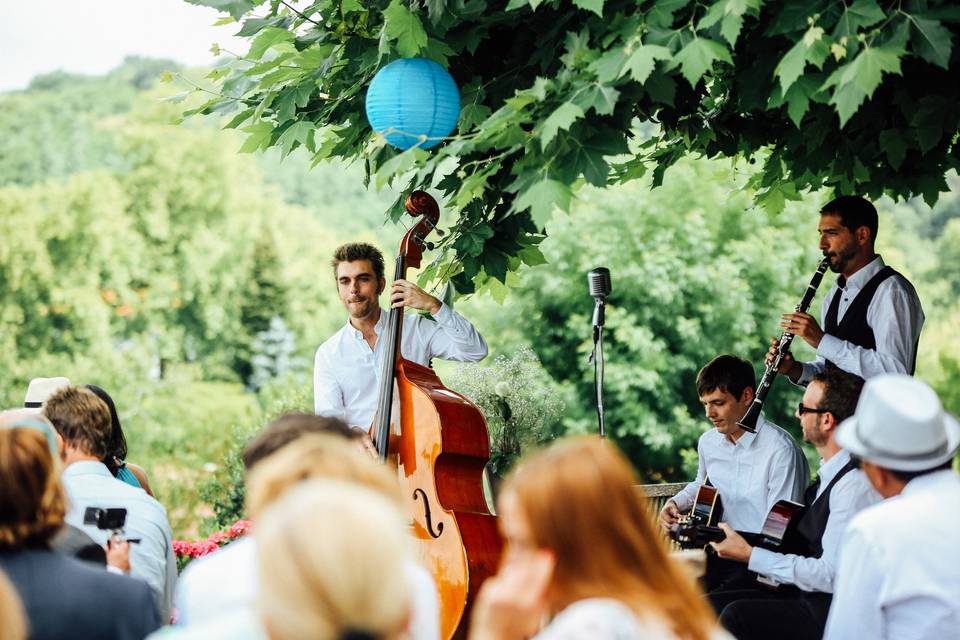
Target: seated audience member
x=13 y=625
x=752 y=471
x=899 y=573
x=292 y=448
x=62 y=598
x=116 y=458
x=581 y=549
x=805 y=566
x=42 y=388
x=82 y=422
x=332 y=564
x=68 y=539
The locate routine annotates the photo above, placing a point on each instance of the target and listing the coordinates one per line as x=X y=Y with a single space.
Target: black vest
x=807 y=539
x=854 y=328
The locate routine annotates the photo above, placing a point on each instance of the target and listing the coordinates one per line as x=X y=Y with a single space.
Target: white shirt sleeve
x=853 y=611
x=789 y=475
x=847 y=498
x=456 y=338
x=327 y=396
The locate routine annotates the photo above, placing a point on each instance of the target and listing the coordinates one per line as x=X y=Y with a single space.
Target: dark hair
x=727 y=373
x=353 y=251
x=117 y=446
x=841 y=391
x=287 y=428
x=81 y=418
x=907 y=476
x=854 y=212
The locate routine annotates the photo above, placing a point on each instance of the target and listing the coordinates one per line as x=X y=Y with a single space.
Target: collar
x=747 y=438
x=929 y=480
x=859 y=279
x=832 y=467
x=378 y=328
x=87 y=468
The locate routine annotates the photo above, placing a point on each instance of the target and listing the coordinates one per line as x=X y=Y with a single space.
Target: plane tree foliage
x=849 y=96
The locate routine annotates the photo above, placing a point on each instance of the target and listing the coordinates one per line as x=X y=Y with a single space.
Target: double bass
x=438 y=441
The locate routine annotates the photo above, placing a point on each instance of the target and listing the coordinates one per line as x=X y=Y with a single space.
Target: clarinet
x=749 y=419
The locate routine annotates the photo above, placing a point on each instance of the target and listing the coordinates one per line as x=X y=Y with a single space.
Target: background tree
x=561 y=93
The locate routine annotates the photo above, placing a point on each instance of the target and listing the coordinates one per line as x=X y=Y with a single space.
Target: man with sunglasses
x=805 y=567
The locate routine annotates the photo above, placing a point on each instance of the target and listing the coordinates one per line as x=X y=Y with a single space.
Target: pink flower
x=182 y=547
x=239 y=528
x=203 y=548
x=218 y=537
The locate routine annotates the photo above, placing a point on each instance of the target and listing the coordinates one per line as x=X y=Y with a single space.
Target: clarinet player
x=871 y=318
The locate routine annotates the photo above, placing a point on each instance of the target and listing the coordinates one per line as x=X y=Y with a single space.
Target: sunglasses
x=801 y=409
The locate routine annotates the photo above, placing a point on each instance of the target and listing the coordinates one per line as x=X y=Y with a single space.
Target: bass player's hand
x=788 y=366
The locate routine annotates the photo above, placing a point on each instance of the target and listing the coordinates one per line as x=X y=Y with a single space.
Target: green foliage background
x=145 y=257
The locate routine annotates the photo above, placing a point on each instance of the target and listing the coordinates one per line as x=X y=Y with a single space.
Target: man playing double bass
x=871 y=318
x=347 y=365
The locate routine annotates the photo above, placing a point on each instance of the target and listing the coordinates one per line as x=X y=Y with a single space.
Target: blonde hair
x=13 y=624
x=580 y=500
x=331 y=557
x=315 y=455
x=32 y=499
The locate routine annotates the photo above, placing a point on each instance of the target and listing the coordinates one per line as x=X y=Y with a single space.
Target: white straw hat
x=42 y=388
x=900 y=424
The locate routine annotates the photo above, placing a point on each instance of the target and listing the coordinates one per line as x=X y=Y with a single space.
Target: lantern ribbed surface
x=415 y=96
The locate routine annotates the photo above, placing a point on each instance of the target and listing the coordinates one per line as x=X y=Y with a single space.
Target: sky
x=94 y=36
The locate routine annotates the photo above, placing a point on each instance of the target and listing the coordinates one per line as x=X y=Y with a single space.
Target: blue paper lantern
x=411 y=98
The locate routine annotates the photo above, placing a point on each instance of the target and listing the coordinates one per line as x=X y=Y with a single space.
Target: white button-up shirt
x=899 y=572
x=894 y=314
x=346 y=371
x=751 y=473
x=90 y=484
x=852 y=493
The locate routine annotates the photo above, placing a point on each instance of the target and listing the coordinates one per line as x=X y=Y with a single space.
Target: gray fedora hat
x=900 y=424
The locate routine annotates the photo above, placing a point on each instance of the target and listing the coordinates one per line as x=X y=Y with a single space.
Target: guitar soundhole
x=420 y=493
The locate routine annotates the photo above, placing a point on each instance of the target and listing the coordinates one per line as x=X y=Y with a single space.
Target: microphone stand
x=596 y=357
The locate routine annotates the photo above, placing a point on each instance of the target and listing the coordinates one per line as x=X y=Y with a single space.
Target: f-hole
x=420 y=493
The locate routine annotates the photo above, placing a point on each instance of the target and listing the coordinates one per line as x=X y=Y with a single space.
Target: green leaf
x=532 y=256
x=662 y=88
x=562 y=118
x=862 y=13
x=472 y=115
x=774 y=198
x=870 y=65
x=351 y=6
x=295 y=134
x=713 y=15
x=474 y=185
x=405 y=27
x=236 y=8
x=253 y=26
x=609 y=66
x=730 y=28
x=259 y=137
x=931 y=40
x=399 y=164
x=541 y=198
x=591 y=5
x=599 y=97
x=472 y=241
x=791 y=66
x=698 y=56
x=239 y=119
x=894 y=146
x=643 y=59
x=268 y=38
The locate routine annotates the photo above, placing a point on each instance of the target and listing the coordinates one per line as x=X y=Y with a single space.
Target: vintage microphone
x=598 y=281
